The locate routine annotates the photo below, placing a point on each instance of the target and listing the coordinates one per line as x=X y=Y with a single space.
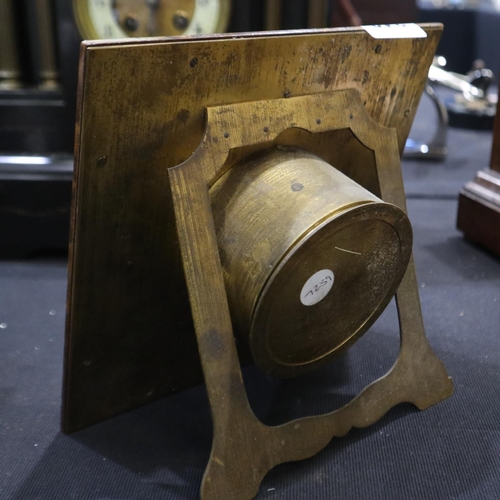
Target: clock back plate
x=141 y=110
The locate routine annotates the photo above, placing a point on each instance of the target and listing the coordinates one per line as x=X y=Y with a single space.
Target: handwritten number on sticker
x=325 y=281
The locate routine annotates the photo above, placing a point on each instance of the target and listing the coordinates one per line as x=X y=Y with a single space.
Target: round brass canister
x=310 y=258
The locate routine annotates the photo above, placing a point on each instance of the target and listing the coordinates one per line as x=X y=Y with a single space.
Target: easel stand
x=244 y=449
x=159 y=122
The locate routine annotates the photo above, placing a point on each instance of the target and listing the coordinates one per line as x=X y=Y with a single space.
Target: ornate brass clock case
x=235 y=190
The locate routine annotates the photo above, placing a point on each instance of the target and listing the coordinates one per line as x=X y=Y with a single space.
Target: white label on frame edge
x=385 y=31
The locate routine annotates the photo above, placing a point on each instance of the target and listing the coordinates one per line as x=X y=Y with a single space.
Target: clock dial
x=142 y=18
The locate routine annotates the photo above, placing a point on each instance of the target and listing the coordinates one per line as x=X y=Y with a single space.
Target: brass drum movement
x=310 y=258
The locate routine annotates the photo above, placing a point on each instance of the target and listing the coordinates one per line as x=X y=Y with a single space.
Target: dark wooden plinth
x=479 y=203
x=479 y=210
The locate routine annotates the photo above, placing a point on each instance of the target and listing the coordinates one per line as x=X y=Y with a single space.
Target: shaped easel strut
x=244 y=449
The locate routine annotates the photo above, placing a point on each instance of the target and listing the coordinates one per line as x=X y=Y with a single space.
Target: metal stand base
x=244 y=449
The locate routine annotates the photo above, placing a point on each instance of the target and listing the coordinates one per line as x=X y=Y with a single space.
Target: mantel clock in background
x=132 y=18
x=39 y=53
x=39 y=46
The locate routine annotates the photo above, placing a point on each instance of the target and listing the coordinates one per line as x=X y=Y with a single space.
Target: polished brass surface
x=145 y=267
x=48 y=71
x=149 y=18
x=283 y=215
x=10 y=71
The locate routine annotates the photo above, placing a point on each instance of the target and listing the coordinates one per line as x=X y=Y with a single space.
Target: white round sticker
x=317 y=287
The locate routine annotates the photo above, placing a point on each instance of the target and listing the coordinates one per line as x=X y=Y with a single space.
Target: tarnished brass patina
x=162 y=162
x=283 y=216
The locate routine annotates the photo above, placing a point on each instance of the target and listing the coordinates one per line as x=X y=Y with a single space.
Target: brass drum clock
x=143 y=18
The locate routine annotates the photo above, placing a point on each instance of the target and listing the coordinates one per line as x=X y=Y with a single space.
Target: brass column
x=10 y=69
x=48 y=70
